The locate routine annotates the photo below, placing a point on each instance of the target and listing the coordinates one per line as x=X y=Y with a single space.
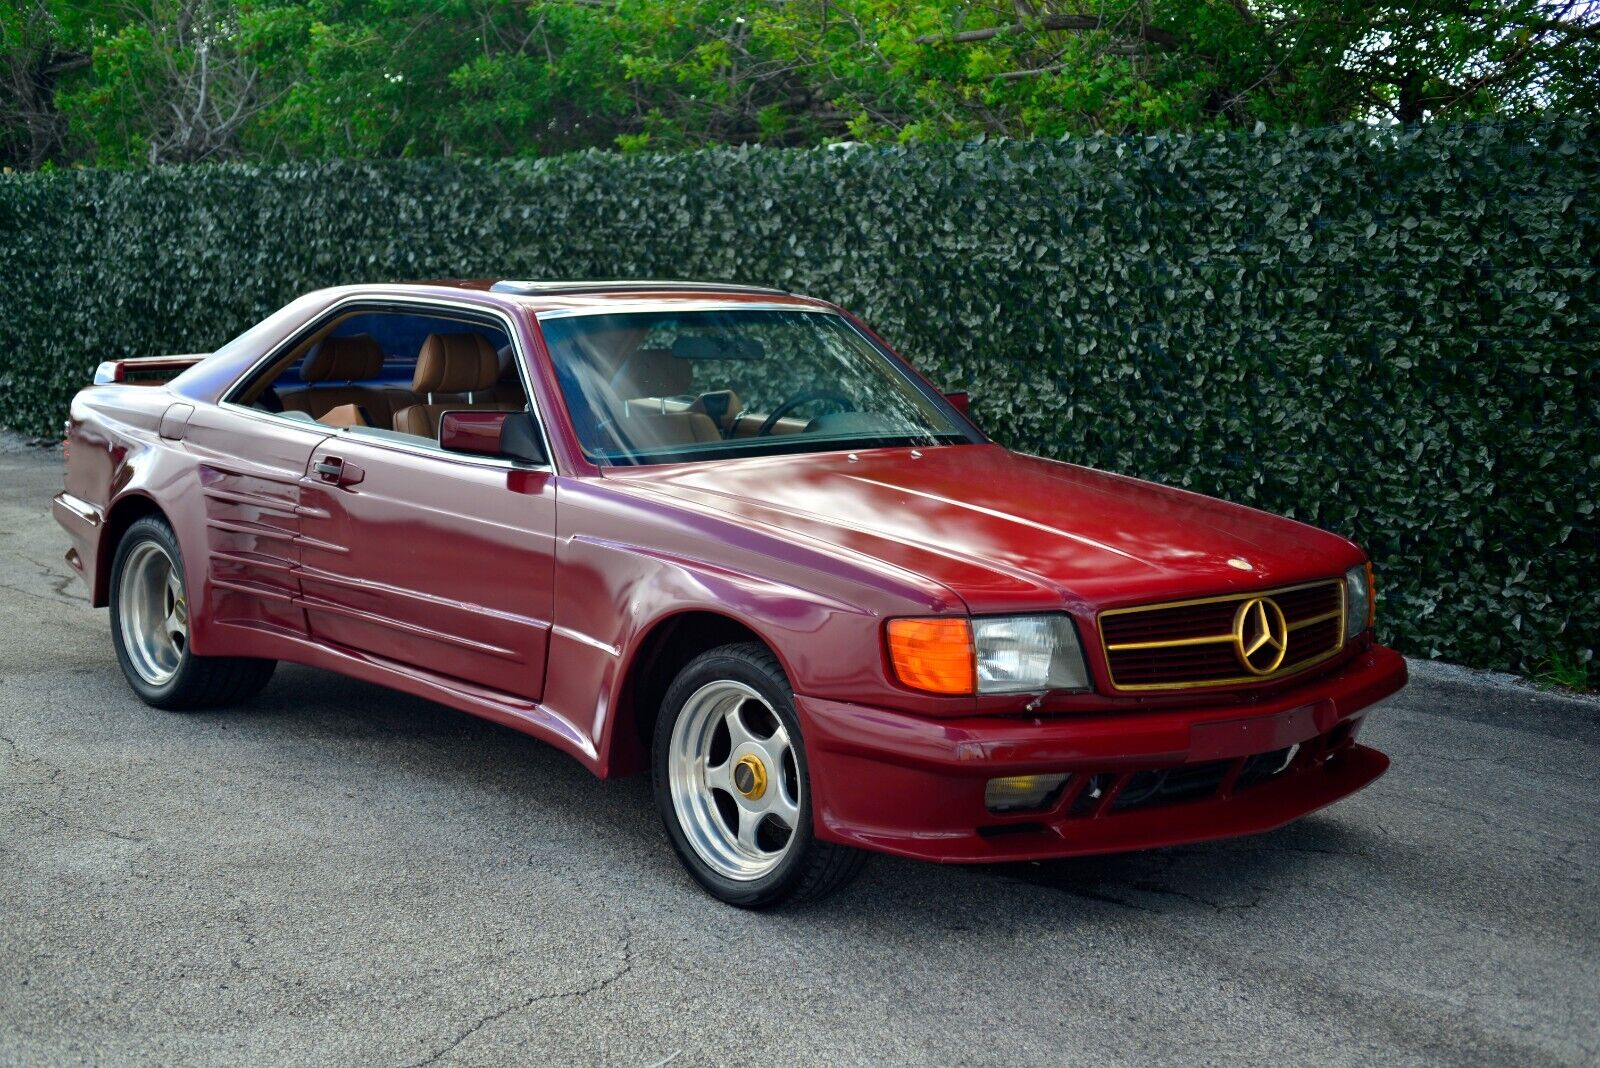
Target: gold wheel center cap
x=750 y=777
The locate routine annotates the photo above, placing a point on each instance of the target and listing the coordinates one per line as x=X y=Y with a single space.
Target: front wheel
x=150 y=629
x=732 y=784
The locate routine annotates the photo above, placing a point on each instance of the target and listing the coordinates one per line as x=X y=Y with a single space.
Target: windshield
x=668 y=386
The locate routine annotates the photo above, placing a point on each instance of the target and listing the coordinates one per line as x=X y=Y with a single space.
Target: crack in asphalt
x=75 y=825
x=60 y=583
x=527 y=1003
x=1315 y=851
x=45 y=597
x=55 y=770
x=1106 y=899
x=1152 y=887
x=51 y=780
x=1495 y=819
x=1581 y=775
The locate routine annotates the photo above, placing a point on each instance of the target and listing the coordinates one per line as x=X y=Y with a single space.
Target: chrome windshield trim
x=631 y=307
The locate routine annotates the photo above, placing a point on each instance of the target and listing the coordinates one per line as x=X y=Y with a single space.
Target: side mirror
x=510 y=435
x=961 y=400
x=520 y=440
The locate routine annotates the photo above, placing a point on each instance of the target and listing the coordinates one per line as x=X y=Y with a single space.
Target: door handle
x=336 y=471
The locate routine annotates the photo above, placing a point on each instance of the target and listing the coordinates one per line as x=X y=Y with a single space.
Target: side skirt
x=529 y=717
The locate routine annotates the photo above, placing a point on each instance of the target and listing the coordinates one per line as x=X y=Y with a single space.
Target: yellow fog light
x=1022 y=793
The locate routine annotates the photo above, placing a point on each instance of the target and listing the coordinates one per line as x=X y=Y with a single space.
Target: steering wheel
x=804 y=396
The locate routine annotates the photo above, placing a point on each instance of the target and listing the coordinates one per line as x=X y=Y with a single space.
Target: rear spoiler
x=145 y=370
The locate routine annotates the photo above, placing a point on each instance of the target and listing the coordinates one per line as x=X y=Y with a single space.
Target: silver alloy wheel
x=740 y=814
x=154 y=613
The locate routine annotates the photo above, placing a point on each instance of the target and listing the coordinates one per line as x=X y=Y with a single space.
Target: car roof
x=544 y=296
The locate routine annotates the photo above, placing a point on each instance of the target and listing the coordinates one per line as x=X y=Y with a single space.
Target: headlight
x=1018 y=654
x=1360 y=601
x=995 y=654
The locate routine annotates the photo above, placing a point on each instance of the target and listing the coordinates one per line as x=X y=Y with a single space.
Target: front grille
x=1202 y=642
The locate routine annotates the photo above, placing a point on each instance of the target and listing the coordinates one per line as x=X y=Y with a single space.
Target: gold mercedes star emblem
x=1260 y=635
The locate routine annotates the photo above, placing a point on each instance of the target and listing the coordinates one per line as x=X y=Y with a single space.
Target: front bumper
x=914 y=786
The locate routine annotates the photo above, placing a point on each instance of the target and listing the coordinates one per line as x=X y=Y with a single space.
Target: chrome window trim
x=383 y=304
x=354 y=432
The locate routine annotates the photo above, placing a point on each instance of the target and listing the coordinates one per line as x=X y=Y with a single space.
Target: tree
x=34 y=54
x=276 y=79
x=169 y=82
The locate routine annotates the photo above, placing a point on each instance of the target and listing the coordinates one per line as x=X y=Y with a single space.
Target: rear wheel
x=732 y=784
x=150 y=629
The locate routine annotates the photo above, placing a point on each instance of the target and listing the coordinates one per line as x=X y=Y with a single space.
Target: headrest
x=655 y=373
x=721 y=405
x=356 y=358
x=455 y=363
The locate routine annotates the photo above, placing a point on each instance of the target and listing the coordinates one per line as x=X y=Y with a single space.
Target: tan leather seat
x=654 y=430
x=346 y=360
x=746 y=426
x=659 y=383
x=461 y=364
x=344 y=415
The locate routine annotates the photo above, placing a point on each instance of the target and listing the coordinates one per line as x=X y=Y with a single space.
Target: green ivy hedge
x=1392 y=334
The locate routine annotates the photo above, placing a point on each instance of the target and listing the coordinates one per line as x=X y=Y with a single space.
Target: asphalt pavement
x=342 y=875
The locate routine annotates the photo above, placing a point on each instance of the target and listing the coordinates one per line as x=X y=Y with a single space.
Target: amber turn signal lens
x=1372 y=596
x=932 y=655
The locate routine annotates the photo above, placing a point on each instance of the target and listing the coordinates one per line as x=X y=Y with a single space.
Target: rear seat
x=346 y=361
x=462 y=364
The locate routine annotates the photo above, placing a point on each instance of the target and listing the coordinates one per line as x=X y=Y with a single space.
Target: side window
x=394 y=373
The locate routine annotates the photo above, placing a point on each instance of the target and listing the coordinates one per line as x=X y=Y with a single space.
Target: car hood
x=1006 y=531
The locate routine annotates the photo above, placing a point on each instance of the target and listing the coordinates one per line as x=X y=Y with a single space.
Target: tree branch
x=1013 y=75
x=61 y=62
x=1075 y=23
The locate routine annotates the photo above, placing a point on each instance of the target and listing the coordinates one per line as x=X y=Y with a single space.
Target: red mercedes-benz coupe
x=726 y=533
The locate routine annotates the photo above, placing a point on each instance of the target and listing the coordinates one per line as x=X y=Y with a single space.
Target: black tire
x=810 y=869
x=198 y=681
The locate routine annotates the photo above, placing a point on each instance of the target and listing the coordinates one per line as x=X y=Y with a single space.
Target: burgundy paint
x=525 y=595
x=473 y=432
